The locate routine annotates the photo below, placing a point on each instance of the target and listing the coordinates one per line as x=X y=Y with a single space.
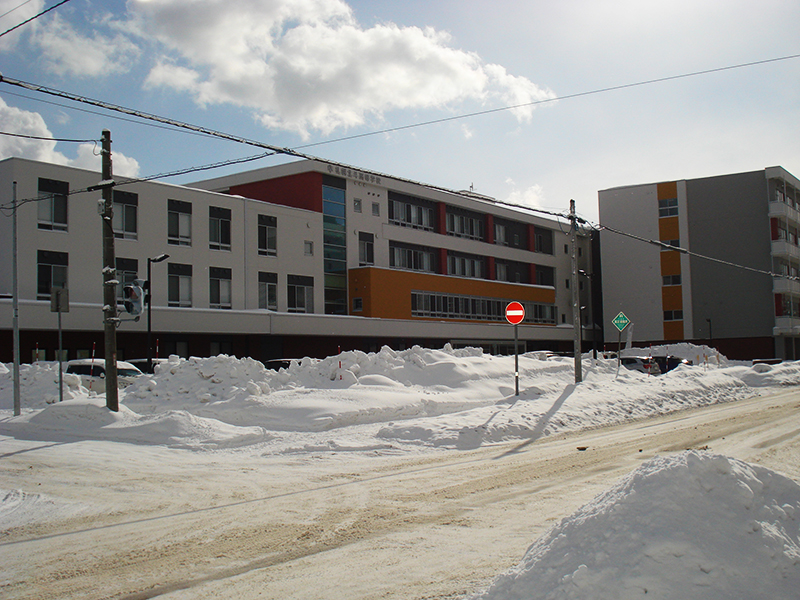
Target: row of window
x=53 y=216
x=417 y=213
x=52 y=269
x=453 y=306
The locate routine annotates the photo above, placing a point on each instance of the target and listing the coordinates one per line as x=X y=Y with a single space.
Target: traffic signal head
x=133 y=299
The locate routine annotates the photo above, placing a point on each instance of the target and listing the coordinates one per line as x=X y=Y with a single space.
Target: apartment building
x=748 y=220
x=300 y=259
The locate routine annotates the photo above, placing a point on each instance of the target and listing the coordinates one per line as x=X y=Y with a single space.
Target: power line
x=8 y=12
x=554 y=99
x=49 y=139
x=94 y=112
x=666 y=246
x=44 y=12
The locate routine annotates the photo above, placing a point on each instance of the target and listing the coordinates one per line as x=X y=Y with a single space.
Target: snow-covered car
x=141 y=363
x=643 y=364
x=92 y=372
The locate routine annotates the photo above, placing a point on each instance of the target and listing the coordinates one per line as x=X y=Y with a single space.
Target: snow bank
x=693 y=525
x=414 y=398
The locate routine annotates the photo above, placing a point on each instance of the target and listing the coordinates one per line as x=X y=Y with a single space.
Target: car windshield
x=128 y=372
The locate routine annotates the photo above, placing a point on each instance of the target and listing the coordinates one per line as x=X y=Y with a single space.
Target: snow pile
x=678 y=527
x=415 y=398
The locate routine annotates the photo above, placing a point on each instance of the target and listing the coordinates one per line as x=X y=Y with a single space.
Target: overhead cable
x=44 y=12
x=666 y=246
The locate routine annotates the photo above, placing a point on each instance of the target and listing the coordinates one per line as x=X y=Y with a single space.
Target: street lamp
x=149 y=297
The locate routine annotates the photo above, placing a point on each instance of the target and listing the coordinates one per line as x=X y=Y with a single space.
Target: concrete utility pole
x=110 y=320
x=15 y=301
x=576 y=313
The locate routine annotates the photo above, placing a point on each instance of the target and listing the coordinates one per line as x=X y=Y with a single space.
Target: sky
x=353 y=82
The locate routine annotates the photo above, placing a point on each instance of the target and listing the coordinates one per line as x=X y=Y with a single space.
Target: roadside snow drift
x=693 y=525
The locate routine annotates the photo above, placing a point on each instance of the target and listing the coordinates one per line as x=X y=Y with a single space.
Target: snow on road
x=217 y=432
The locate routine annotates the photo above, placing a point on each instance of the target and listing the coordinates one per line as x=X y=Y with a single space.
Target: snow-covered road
x=178 y=524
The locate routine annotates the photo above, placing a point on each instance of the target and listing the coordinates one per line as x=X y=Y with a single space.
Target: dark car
x=667 y=363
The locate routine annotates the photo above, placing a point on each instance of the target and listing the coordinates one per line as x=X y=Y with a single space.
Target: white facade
x=300 y=253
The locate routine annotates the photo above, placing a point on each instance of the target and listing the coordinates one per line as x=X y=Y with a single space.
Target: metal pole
x=576 y=317
x=15 y=301
x=149 y=298
x=60 y=350
x=516 y=360
x=109 y=279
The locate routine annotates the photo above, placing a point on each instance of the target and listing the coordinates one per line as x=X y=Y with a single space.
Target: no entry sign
x=515 y=313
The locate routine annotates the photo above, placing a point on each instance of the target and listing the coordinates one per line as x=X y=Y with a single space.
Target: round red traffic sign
x=515 y=313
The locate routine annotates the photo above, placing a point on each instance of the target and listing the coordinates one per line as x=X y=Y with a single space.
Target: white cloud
x=306 y=65
x=24 y=122
x=531 y=197
x=67 y=52
x=15 y=13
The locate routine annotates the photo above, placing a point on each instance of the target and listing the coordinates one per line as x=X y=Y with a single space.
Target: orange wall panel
x=668 y=229
x=673 y=331
x=386 y=293
x=670 y=263
x=672 y=298
x=667 y=190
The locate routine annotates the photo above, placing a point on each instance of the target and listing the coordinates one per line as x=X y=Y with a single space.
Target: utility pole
x=110 y=319
x=15 y=301
x=576 y=312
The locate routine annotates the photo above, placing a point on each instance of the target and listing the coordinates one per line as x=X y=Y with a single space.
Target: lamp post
x=149 y=298
x=590 y=277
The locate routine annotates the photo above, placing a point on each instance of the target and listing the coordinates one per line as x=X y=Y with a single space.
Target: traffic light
x=133 y=299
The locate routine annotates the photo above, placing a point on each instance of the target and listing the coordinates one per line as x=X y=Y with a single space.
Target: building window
x=308 y=248
x=543 y=241
x=127 y=273
x=179 y=285
x=440 y=305
x=52 y=204
x=545 y=275
x=410 y=212
x=668 y=208
x=300 y=294
x=500 y=235
x=358 y=304
x=414 y=258
x=219 y=228
x=366 y=249
x=465 y=226
x=501 y=271
x=463 y=265
x=675 y=244
x=673 y=315
x=51 y=271
x=357 y=205
x=268 y=291
x=219 y=281
x=267 y=235
x=179 y=223
x=376 y=209
x=672 y=279
x=126 y=205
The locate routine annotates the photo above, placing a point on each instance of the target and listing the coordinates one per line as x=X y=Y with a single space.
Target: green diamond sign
x=621 y=321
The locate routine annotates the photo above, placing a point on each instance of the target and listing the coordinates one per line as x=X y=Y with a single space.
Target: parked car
x=93 y=372
x=643 y=364
x=141 y=363
x=669 y=362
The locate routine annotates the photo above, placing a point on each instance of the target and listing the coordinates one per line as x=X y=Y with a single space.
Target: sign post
x=59 y=303
x=620 y=322
x=515 y=313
